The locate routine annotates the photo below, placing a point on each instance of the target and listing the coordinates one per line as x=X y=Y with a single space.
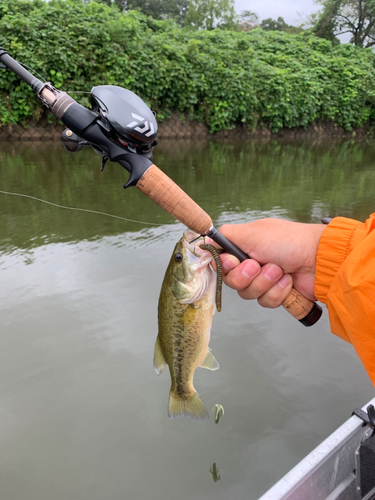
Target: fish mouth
x=191 y=242
x=192 y=237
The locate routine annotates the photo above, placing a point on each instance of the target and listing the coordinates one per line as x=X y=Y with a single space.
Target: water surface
x=83 y=414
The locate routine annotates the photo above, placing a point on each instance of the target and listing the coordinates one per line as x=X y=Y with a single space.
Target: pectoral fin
x=159 y=359
x=209 y=361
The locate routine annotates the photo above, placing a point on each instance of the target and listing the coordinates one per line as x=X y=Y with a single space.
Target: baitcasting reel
x=124 y=118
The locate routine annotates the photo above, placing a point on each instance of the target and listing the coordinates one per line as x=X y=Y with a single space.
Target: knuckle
x=268 y=303
x=235 y=279
x=257 y=288
x=247 y=294
x=231 y=281
x=273 y=298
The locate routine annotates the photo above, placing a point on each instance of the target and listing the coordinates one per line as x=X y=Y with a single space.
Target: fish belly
x=184 y=340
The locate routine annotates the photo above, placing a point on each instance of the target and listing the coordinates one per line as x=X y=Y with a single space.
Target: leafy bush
x=222 y=78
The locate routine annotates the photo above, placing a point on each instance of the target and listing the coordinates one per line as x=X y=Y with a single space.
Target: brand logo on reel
x=148 y=127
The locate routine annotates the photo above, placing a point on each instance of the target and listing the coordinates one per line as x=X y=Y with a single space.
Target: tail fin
x=191 y=407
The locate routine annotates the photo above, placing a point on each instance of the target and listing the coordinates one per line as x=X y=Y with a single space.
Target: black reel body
x=131 y=121
x=123 y=117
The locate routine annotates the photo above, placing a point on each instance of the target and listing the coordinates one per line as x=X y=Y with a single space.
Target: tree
x=210 y=14
x=339 y=17
x=247 y=20
x=161 y=9
x=279 y=24
x=118 y=3
x=158 y=9
x=273 y=25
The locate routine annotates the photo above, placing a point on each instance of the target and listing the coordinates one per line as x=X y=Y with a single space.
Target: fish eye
x=178 y=257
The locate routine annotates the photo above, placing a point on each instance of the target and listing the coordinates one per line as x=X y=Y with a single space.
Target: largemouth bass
x=186 y=306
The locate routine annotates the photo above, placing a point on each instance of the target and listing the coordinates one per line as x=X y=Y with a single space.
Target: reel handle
x=164 y=192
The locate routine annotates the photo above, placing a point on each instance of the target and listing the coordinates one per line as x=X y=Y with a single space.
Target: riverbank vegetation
x=257 y=78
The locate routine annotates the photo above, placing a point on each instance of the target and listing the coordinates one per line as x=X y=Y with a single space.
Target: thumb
x=242 y=235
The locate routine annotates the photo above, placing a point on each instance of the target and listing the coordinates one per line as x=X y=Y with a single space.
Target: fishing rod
x=122 y=128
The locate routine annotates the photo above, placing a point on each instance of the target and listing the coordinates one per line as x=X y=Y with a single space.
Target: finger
x=239 y=234
x=228 y=262
x=278 y=293
x=222 y=251
x=242 y=275
x=269 y=275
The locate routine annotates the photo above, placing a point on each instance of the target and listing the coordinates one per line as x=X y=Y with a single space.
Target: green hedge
x=222 y=78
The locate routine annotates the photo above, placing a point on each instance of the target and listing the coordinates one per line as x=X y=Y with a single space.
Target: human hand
x=287 y=250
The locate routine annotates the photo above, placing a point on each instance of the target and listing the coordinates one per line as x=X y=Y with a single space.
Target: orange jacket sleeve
x=345 y=282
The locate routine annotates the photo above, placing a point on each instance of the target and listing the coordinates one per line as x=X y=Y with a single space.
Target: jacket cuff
x=333 y=249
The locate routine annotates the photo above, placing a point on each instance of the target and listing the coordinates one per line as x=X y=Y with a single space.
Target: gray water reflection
x=83 y=413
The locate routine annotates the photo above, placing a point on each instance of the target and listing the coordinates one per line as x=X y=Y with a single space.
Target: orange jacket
x=345 y=282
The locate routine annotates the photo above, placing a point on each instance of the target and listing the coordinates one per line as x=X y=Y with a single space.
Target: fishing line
x=33 y=70
x=82 y=209
x=45 y=81
x=77 y=92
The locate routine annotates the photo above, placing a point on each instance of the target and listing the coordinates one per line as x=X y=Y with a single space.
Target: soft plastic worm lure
x=215 y=473
x=219 y=411
x=219 y=272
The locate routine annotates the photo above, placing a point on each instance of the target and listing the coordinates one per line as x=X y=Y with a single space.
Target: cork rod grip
x=164 y=192
x=297 y=305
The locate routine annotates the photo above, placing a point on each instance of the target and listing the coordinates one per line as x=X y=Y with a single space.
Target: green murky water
x=83 y=414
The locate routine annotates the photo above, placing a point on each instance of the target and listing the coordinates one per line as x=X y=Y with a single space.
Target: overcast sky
x=288 y=9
